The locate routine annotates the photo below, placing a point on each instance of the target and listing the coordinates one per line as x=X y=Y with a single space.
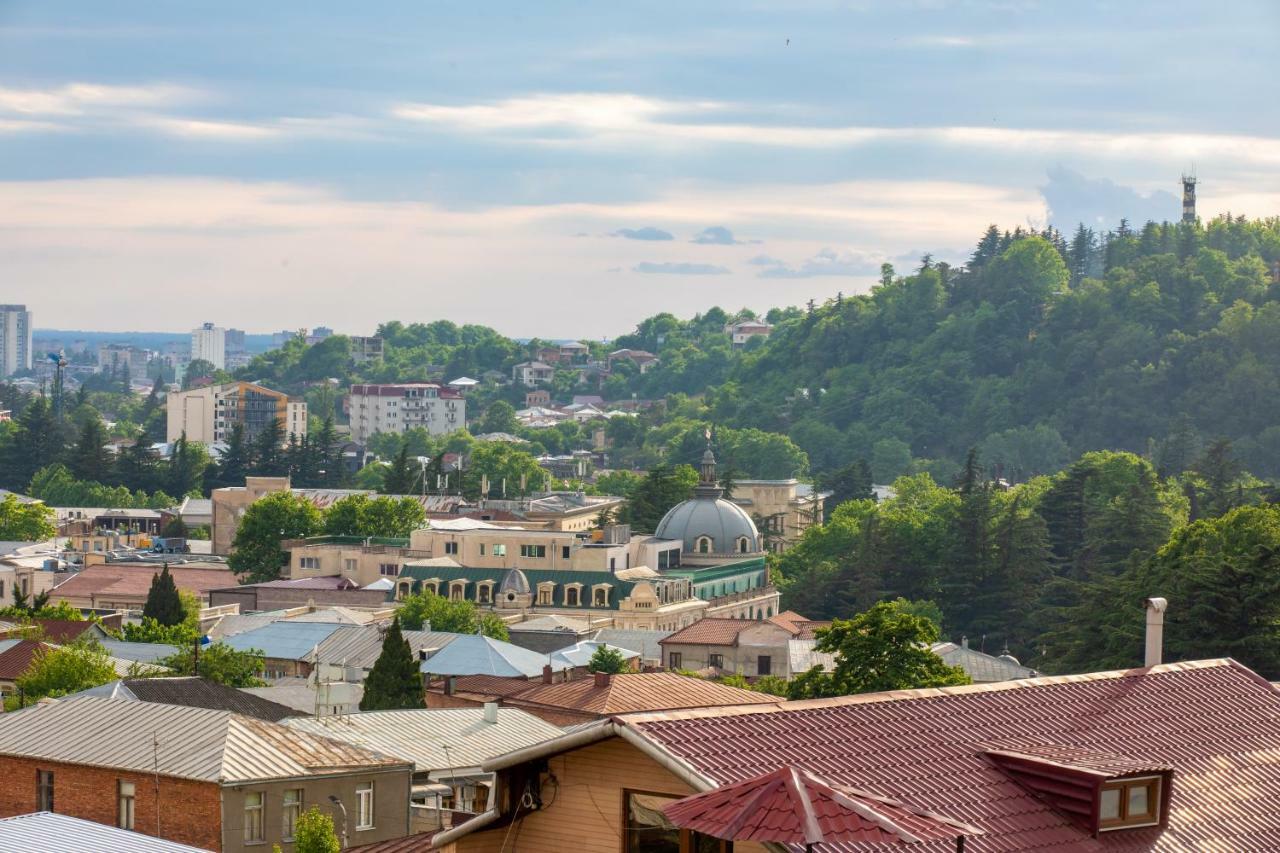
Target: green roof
x=698 y=574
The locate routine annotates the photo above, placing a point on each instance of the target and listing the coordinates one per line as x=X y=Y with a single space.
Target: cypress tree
x=394 y=681
x=400 y=476
x=163 y=602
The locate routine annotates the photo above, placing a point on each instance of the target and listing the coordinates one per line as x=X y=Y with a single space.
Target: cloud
x=716 y=235
x=766 y=261
x=1100 y=203
x=646 y=233
x=827 y=262
x=80 y=98
x=679 y=268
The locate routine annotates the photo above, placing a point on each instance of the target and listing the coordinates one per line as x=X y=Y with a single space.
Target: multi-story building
x=395 y=408
x=365 y=349
x=744 y=330
x=208 y=414
x=782 y=509
x=530 y=373
x=118 y=356
x=209 y=343
x=15 y=339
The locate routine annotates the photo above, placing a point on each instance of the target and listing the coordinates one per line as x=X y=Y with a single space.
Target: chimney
x=1155 y=631
x=603 y=679
x=546 y=674
x=491 y=712
x=964 y=642
x=449 y=684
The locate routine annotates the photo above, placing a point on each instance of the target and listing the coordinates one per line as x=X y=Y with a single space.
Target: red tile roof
x=634 y=691
x=711 y=631
x=800 y=627
x=1215 y=722
x=792 y=806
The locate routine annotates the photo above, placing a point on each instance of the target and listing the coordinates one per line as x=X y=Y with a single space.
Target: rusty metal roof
x=190 y=743
x=1216 y=723
x=635 y=691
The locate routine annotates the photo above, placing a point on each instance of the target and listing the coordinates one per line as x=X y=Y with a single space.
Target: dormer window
x=744 y=544
x=1129 y=802
x=703 y=545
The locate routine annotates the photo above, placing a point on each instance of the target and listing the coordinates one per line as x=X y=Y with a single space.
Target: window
x=349 y=566
x=388 y=570
x=253 y=816
x=457 y=591
x=499 y=550
x=484 y=593
x=124 y=816
x=564 y=551
x=538 y=552
x=290 y=812
x=308 y=562
x=481 y=549
x=764 y=665
x=716 y=661
x=571 y=596
x=451 y=547
x=703 y=545
x=674 y=659
x=1129 y=802
x=44 y=790
x=364 y=806
x=744 y=544
x=600 y=597
x=545 y=594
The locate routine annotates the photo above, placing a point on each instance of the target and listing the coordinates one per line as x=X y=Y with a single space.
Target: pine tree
x=988 y=247
x=1220 y=470
x=185 y=471
x=268 y=450
x=394 y=682
x=38 y=440
x=89 y=459
x=236 y=461
x=399 y=479
x=163 y=602
x=970 y=564
x=138 y=466
x=331 y=468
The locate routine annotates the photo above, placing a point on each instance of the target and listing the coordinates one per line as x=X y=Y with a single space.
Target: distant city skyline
x=565 y=172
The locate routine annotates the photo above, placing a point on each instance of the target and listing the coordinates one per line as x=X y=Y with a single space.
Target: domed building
x=713 y=529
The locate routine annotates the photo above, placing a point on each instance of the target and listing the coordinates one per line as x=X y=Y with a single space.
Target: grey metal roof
x=436 y=740
x=725 y=522
x=645 y=642
x=191 y=692
x=473 y=654
x=980 y=666
x=171 y=740
x=301 y=696
x=360 y=645
x=284 y=640
x=804 y=657
x=48 y=832
x=229 y=626
x=579 y=654
x=142 y=652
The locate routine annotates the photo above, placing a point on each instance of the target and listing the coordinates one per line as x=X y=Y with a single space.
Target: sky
x=567 y=169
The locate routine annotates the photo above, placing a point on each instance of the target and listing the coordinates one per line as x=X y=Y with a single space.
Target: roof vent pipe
x=1155 y=631
x=491 y=712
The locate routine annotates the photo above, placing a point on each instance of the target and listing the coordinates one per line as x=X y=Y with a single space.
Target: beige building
x=208 y=414
x=395 y=408
x=732 y=647
x=782 y=509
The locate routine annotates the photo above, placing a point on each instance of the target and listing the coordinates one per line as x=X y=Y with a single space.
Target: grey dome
x=725 y=522
x=514 y=581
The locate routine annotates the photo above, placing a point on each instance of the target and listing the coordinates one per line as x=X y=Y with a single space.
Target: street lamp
x=337 y=801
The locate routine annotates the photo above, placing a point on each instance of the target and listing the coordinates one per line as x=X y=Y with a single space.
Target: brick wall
x=190 y=812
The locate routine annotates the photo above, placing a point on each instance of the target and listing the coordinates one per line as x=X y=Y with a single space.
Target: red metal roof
x=1216 y=723
x=16 y=660
x=634 y=691
x=792 y=806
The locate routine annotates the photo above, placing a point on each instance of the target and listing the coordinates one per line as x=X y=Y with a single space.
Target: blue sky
x=565 y=169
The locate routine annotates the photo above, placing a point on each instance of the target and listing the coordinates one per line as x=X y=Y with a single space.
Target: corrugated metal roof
x=284 y=640
x=189 y=743
x=804 y=656
x=142 y=652
x=239 y=623
x=579 y=654
x=636 y=691
x=191 y=692
x=434 y=739
x=648 y=643
x=980 y=666
x=473 y=654
x=301 y=696
x=359 y=646
x=1215 y=722
x=48 y=832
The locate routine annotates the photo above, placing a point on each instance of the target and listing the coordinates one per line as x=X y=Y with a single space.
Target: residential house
x=644 y=361
x=395 y=408
x=1166 y=757
x=192 y=692
x=731 y=647
x=647 y=643
x=17 y=655
x=209 y=778
x=124 y=585
x=537 y=398
x=476 y=654
x=447 y=748
x=295 y=648
x=531 y=373
x=742 y=331
x=48 y=832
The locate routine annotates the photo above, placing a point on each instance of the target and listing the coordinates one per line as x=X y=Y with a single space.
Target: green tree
x=850 y=483
x=269 y=450
x=186 y=467
x=885 y=648
x=66 y=669
x=607 y=659
x=314 y=833
x=163 y=603
x=256 y=554
x=500 y=417
x=401 y=476
x=394 y=682
x=455 y=617
x=661 y=489
x=236 y=460
x=197 y=368
x=19 y=522
x=218 y=662
x=89 y=458
x=37 y=440
x=360 y=515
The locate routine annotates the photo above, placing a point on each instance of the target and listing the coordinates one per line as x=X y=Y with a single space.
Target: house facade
x=209 y=414
x=436 y=408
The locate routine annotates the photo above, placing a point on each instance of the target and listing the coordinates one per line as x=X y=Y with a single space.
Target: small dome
x=514 y=581
x=1008 y=658
x=725 y=524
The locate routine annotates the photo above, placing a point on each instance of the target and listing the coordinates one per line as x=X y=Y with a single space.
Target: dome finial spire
x=708 y=486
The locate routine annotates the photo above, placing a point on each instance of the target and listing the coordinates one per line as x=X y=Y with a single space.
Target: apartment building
x=15 y=339
x=395 y=408
x=119 y=356
x=209 y=343
x=208 y=414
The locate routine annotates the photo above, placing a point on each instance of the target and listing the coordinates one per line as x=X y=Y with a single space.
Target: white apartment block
x=15 y=339
x=396 y=408
x=207 y=415
x=209 y=343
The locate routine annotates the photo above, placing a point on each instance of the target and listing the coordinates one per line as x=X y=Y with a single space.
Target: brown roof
x=419 y=843
x=133 y=580
x=1216 y=723
x=487 y=685
x=800 y=627
x=712 y=631
x=63 y=630
x=16 y=659
x=635 y=691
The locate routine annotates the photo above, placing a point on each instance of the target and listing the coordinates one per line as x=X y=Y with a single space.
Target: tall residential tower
x=15 y=339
